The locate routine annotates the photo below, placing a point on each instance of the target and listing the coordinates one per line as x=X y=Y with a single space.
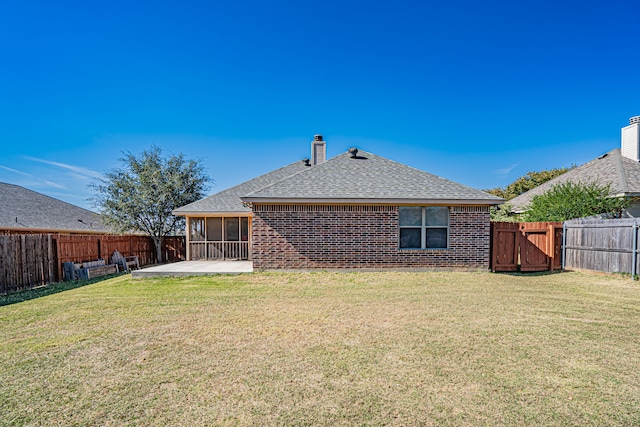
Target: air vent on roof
x=354 y=152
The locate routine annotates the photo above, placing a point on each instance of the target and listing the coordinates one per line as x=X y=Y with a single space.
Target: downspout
x=250 y=228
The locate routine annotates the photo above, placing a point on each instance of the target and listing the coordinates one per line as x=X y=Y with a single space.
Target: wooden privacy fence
x=526 y=246
x=26 y=261
x=37 y=259
x=608 y=245
x=75 y=248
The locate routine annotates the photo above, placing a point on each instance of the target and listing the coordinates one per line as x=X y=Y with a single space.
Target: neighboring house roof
x=621 y=173
x=23 y=209
x=368 y=178
x=229 y=200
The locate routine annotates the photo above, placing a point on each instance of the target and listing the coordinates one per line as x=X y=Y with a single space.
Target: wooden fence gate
x=526 y=246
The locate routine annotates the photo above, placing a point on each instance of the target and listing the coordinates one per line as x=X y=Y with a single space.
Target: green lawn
x=326 y=349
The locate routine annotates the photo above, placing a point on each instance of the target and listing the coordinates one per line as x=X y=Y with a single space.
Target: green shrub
x=575 y=200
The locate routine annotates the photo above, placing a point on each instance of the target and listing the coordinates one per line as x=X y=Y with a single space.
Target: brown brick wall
x=323 y=236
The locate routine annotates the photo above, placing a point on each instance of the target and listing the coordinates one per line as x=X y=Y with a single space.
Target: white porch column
x=187 y=234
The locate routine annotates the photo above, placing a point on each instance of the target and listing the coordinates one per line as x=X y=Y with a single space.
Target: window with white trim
x=424 y=227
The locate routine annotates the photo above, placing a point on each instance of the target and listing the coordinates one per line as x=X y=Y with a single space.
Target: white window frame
x=423 y=227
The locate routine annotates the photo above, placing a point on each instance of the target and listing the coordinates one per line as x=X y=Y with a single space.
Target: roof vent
x=634 y=120
x=306 y=162
x=354 y=152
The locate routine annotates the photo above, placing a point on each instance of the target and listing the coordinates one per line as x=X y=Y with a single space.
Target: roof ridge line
x=621 y=175
x=286 y=177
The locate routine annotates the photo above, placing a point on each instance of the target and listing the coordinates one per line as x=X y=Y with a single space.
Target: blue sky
x=476 y=92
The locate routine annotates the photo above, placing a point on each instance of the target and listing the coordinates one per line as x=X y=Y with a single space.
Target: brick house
x=356 y=210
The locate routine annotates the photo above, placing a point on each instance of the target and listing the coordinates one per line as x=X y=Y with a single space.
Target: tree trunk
x=157 y=241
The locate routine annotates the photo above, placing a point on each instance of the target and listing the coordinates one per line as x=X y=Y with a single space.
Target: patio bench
x=126 y=263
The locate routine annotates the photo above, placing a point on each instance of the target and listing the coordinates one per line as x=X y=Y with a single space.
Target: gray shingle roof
x=621 y=173
x=368 y=178
x=21 y=208
x=229 y=200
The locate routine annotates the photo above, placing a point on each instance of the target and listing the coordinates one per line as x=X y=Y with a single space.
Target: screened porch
x=219 y=238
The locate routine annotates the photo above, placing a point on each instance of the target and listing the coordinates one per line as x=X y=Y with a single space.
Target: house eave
x=212 y=213
x=371 y=201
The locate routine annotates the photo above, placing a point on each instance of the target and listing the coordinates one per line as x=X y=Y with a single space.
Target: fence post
x=564 y=245
x=57 y=259
x=634 y=250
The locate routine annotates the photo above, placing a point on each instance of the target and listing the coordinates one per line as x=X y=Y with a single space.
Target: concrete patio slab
x=195 y=268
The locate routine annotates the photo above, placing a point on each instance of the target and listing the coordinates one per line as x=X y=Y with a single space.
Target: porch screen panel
x=232 y=229
x=197 y=229
x=244 y=229
x=214 y=229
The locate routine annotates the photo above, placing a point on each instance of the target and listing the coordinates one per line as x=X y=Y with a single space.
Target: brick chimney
x=318 y=150
x=631 y=139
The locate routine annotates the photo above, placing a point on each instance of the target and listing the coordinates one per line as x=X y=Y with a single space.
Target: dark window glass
x=410 y=238
x=436 y=237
